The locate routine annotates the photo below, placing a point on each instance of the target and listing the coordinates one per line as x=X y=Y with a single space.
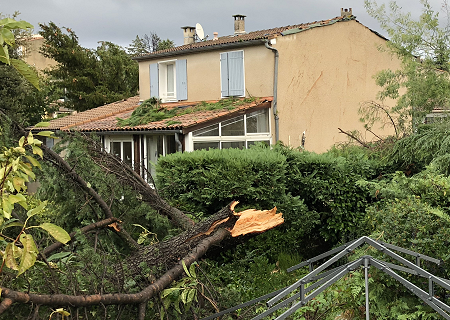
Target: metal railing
x=320 y=279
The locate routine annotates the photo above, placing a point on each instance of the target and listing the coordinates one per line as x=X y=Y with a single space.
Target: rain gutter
x=122 y=132
x=178 y=142
x=275 y=90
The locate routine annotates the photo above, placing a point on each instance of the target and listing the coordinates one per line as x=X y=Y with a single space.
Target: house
x=309 y=80
x=32 y=55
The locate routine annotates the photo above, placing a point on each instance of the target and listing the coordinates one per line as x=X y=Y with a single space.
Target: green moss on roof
x=151 y=110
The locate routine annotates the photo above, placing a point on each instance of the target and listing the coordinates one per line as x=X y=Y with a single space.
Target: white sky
x=119 y=21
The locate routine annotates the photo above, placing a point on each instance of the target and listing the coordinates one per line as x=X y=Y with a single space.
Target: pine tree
x=88 y=78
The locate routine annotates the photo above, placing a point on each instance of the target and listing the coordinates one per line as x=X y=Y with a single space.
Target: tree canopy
x=88 y=78
x=423 y=82
x=24 y=95
x=148 y=43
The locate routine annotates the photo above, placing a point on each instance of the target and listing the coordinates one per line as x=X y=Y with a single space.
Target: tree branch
x=59 y=300
x=130 y=177
x=93 y=226
x=63 y=166
x=354 y=138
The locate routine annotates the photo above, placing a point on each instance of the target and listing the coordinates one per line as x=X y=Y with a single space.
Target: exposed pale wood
x=256 y=221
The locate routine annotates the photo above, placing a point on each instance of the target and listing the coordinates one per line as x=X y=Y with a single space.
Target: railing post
x=302 y=292
x=366 y=278
x=430 y=287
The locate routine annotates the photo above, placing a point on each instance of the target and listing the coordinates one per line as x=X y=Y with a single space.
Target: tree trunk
x=188 y=247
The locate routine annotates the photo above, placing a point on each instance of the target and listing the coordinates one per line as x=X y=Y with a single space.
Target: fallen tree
x=202 y=236
x=165 y=258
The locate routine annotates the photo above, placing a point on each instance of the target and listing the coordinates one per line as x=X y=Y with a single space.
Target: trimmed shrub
x=203 y=181
x=328 y=185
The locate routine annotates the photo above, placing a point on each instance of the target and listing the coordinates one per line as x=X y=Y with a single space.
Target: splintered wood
x=249 y=221
x=256 y=221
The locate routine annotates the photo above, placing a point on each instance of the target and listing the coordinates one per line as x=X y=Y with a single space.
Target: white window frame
x=190 y=139
x=121 y=139
x=163 y=79
x=146 y=147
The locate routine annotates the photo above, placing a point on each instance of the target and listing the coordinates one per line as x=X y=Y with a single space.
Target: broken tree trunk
x=187 y=247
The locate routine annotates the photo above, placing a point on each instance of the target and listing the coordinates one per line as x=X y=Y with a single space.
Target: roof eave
x=237 y=44
x=131 y=131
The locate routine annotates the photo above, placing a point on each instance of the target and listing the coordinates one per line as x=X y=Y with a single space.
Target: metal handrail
x=323 y=279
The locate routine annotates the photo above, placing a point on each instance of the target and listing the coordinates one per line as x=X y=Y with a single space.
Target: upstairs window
x=168 y=80
x=232 y=74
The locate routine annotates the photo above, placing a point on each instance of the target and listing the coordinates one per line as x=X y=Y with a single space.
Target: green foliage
x=166 y=44
x=412 y=223
x=72 y=209
x=327 y=185
x=147 y=44
x=317 y=194
x=205 y=181
x=22 y=101
x=422 y=45
x=150 y=110
x=88 y=78
x=187 y=291
x=429 y=145
x=7 y=38
x=16 y=169
x=19 y=83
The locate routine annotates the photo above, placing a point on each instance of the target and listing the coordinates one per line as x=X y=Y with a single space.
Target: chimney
x=216 y=36
x=189 y=35
x=239 y=24
x=346 y=12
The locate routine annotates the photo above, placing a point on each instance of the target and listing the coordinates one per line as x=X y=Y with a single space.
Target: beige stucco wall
x=324 y=75
x=34 y=58
x=203 y=73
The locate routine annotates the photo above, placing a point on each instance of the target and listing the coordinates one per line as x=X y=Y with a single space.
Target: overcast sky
x=119 y=21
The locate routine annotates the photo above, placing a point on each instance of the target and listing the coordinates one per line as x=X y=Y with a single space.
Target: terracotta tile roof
x=104 y=118
x=254 y=35
x=93 y=114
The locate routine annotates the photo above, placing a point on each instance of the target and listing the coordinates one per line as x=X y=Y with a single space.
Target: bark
x=187 y=247
x=167 y=253
x=142 y=310
x=5 y=304
x=354 y=138
x=59 y=300
x=97 y=225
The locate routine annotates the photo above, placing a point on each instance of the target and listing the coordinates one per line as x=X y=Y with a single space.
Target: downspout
x=178 y=142
x=275 y=89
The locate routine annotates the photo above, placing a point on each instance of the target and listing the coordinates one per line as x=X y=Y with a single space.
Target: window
x=122 y=150
x=157 y=146
x=232 y=74
x=436 y=117
x=238 y=132
x=168 y=80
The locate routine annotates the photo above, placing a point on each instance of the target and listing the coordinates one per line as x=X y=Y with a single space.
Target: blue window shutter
x=154 y=85
x=224 y=74
x=181 y=69
x=236 y=73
